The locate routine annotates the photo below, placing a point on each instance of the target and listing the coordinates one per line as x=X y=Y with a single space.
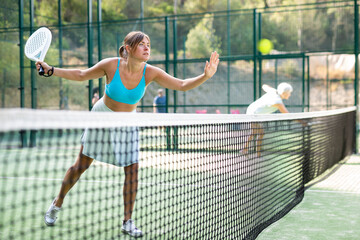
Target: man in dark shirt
x=160 y=102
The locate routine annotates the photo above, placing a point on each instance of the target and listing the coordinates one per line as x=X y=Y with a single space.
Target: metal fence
x=315 y=50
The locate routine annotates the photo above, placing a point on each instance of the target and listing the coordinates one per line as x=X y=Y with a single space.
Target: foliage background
x=324 y=29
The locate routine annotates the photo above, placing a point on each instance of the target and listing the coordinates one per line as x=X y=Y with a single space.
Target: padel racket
x=37 y=46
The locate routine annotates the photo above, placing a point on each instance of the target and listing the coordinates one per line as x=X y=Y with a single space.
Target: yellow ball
x=265 y=46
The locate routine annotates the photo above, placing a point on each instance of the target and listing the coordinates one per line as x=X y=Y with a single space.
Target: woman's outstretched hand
x=211 y=66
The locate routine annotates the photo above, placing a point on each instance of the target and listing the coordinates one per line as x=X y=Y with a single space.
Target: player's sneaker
x=129 y=228
x=51 y=214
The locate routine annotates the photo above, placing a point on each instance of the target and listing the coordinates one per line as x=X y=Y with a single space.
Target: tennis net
x=206 y=176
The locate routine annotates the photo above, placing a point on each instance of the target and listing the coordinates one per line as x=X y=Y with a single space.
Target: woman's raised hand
x=211 y=66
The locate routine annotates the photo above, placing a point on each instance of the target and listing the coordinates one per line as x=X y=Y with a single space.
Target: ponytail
x=122 y=52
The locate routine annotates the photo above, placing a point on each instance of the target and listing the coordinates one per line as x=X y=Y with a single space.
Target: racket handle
x=41 y=71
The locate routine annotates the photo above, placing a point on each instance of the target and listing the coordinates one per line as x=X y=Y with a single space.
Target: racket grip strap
x=49 y=73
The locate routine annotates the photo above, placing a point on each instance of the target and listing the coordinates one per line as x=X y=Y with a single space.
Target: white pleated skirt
x=117 y=146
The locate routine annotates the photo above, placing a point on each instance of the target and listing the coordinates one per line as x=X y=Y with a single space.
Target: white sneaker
x=130 y=228
x=51 y=214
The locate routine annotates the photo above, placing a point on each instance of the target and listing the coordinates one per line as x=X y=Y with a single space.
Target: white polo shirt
x=264 y=105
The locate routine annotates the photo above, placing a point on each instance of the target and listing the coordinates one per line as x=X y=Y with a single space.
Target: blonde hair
x=132 y=39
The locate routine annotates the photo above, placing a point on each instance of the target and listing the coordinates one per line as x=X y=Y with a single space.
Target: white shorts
x=117 y=146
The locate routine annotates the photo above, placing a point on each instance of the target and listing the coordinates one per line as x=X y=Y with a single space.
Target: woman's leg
x=72 y=176
x=130 y=189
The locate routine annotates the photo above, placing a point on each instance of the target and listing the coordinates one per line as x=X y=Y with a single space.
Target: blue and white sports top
x=118 y=92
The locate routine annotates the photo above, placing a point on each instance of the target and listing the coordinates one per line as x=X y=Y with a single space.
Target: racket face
x=38 y=44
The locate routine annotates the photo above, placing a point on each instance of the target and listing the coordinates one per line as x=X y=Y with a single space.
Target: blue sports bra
x=118 y=92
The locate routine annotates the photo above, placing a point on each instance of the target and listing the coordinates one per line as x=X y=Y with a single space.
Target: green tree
x=161 y=9
x=8 y=14
x=201 y=40
x=113 y=9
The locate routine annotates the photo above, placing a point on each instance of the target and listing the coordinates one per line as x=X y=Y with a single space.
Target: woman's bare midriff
x=118 y=106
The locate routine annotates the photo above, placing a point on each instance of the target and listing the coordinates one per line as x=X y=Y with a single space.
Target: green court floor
x=330 y=209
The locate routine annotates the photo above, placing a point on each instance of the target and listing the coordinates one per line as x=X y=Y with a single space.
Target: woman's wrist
x=50 y=72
